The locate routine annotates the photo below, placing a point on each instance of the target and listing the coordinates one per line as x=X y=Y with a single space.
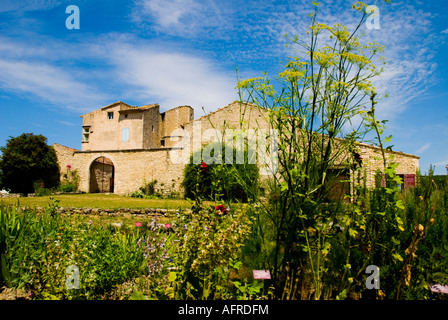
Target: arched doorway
x=102 y=174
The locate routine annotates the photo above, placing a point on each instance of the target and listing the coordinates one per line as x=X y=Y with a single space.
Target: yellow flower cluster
x=291 y=75
x=244 y=84
x=355 y=58
x=319 y=27
x=359 y=6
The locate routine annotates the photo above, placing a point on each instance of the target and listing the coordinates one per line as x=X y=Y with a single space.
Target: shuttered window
x=409 y=181
x=125 y=134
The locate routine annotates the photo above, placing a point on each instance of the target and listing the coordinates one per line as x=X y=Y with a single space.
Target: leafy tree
x=26 y=160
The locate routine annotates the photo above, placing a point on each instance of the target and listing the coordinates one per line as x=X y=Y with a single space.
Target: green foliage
x=38 y=256
x=210 y=241
x=147 y=191
x=10 y=228
x=70 y=180
x=319 y=93
x=315 y=247
x=306 y=238
x=227 y=180
x=27 y=159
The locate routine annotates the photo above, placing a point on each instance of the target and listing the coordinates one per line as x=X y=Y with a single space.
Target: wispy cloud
x=67 y=123
x=131 y=70
x=442 y=163
x=409 y=39
x=48 y=82
x=172 y=78
x=27 y=5
x=178 y=17
x=423 y=148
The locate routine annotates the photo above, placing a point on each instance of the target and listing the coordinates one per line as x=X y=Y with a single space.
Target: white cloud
x=442 y=163
x=67 y=123
x=172 y=78
x=27 y=5
x=178 y=17
x=445 y=31
x=50 y=83
x=423 y=148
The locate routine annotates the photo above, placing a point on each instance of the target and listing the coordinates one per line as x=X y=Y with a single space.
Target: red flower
x=221 y=209
x=138 y=224
x=203 y=166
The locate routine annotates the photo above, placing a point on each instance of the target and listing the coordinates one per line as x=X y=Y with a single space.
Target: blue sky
x=185 y=52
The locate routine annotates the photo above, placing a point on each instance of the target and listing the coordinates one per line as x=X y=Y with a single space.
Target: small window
x=110 y=115
x=125 y=134
x=162 y=143
x=86 y=137
x=126 y=116
x=86 y=130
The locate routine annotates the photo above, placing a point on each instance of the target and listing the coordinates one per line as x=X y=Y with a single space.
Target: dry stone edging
x=114 y=212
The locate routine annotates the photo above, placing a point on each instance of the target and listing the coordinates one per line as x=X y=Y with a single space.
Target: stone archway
x=102 y=174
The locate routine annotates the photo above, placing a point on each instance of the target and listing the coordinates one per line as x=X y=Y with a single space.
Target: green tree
x=27 y=159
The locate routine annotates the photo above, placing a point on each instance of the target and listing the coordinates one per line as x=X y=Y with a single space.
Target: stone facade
x=125 y=147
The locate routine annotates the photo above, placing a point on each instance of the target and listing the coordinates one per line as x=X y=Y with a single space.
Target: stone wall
x=372 y=160
x=134 y=168
x=106 y=134
x=155 y=212
x=151 y=128
x=172 y=122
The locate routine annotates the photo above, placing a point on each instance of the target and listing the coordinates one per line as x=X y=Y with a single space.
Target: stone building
x=124 y=147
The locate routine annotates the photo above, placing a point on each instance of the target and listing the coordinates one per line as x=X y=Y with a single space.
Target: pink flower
x=69 y=166
x=138 y=224
x=167 y=225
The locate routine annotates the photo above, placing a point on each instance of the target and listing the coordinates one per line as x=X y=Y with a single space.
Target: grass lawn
x=103 y=201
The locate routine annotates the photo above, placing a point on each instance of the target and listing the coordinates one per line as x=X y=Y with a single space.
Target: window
x=85 y=134
x=125 y=115
x=125 y=134
x=110 y=115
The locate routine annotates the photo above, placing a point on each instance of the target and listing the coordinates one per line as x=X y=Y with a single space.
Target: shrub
x=214 y=181
x=37 y=257
x=68 y=187
x=209 y=245
x=26 y=159
x=70 y=180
